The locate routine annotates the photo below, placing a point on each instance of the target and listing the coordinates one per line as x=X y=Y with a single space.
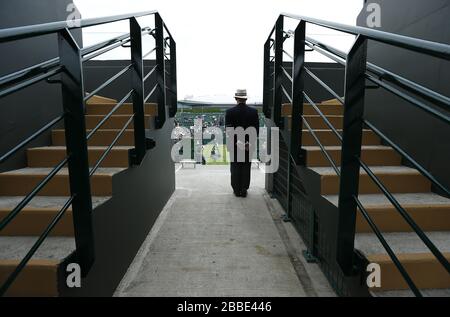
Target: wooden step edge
x=424 y=269
x=100 y=99
x=33 y=221
x=38 y=278
x=388 y=219
x=412 y=182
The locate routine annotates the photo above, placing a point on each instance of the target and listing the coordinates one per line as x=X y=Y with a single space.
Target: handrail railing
x=69 y=64
x=357 y=71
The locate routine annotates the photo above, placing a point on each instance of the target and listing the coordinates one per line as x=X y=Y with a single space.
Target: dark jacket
x=243 y=116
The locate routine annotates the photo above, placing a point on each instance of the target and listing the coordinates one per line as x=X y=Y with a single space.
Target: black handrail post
x=173 y=78
x=351 y=151
x=277 y=98
x=72 y=86
x=137 y=79
x=266 y=79
x=160 y=71
x=298 y=80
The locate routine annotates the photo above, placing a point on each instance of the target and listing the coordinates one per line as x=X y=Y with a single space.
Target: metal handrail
x=18 y=80
x=405 y=155
x=32 y=137
x=324 y=151
x=388 y=248
x=23 y=32
x=385 y=75
x=150 y=93
x=327 y=122
x=11 y=278
x=357 y=69
x=108 y=150
x=106 y=118
x=320 y=82
x=107 y=82
x=430 y=245
x=414 y=44
x=33 y=193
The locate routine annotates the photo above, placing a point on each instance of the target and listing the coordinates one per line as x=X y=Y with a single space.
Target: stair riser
x=429 y=218
x=38 y=278
x=328 y=138
x=33 y=223
x=103 y=109
x=396 y=183
x=21 y=185
x=319 y=123
x=424 y=269
x=371 y=157
x=100 y=138
x=115 y=122
x=49 y=158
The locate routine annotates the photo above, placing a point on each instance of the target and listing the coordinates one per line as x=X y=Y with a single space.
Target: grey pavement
x=207 y=242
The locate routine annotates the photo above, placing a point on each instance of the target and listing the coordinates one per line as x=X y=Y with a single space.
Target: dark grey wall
x=96 y=72
x=331 y=74
x=26 y=111
x=425 y=138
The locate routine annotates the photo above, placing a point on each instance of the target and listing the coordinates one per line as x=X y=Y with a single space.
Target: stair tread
x=325 y=171
x=53 y=248
x=91 y=147
x=99 y=130
x=365 y=130
x=64 y=171
x=47 y=202
x=338 y=147
x=405 y=199
x=434 y=292
x=402 y=242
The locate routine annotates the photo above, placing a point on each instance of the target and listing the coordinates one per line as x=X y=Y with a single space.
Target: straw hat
x=241 y=94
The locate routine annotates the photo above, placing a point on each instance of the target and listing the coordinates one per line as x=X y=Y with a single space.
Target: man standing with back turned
x=241 y=116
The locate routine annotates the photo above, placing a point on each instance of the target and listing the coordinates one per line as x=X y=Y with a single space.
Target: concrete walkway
x=207 y=242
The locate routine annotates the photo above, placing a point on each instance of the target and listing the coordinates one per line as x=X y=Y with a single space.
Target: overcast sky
x=219 y=43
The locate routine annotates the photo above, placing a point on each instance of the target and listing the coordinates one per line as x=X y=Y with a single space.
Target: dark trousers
x=240 y=176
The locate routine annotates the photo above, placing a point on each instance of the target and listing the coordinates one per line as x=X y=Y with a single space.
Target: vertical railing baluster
x=298 y=78
x=137 y=82
x=351 y=150
x=173 y=78
x=160 y=71
x=72 y=86
x=266 y=80
x=295 y=145
x=277 y=98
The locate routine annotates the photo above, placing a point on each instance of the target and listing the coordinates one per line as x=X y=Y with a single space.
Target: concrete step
x=327 y=137
x=114 y=122
x=41 y=276
x=102 y=137
x=22 y=181
x=429 y=210
x=332 y=108
x=421 y=265
x=49 y=156
x=398 y=179
x=37 y=215
x=371 y=154
x=150 y=109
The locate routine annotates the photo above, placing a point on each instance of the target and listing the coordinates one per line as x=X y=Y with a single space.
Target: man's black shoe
x=244 y=194
x=237 y=194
